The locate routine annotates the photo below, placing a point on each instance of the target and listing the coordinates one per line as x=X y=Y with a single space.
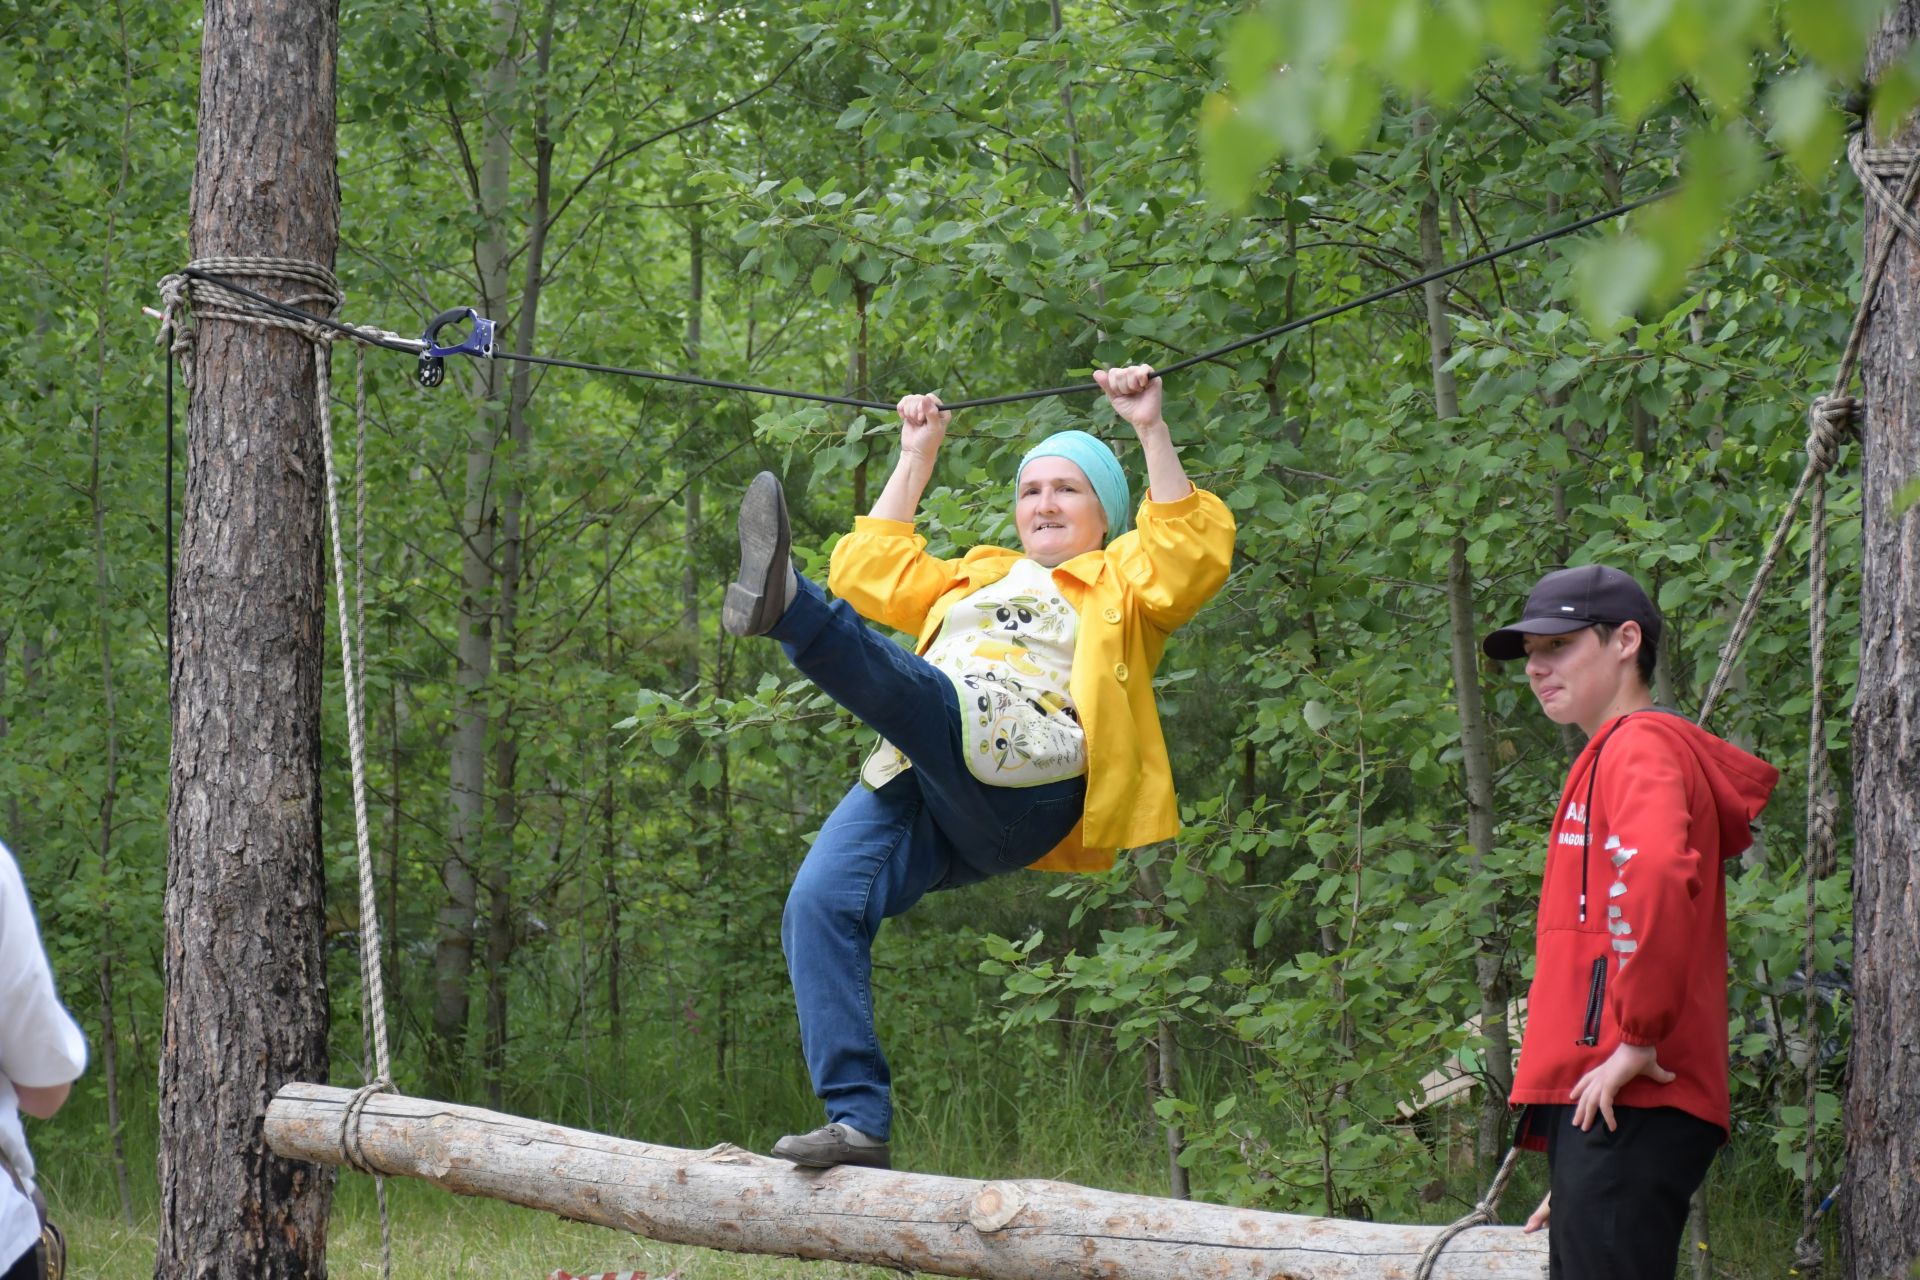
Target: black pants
x=1620 y=1195
x=27 y=1268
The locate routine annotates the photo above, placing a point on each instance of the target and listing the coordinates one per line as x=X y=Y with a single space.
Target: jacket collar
x=1085 y=567
x=994 y=562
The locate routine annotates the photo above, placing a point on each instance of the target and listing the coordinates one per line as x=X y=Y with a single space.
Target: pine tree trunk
x=246 y=997
x=1880 y=1201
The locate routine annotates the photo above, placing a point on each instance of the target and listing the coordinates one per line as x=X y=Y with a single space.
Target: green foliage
x=917 y=205
x=1306 y=80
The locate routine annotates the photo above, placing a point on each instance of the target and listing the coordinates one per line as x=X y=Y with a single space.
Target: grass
x=441 y=1237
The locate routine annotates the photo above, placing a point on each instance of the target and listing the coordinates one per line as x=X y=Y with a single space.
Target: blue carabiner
x=478 y=342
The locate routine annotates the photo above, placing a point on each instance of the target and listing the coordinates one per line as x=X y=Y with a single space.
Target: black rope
x=415 y=347
x=1327 y=313
x=692 y=381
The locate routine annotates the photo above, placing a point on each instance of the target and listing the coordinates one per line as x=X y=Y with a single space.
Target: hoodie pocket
x=1596 y=1002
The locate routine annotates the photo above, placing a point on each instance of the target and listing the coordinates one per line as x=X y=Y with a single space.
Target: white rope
x=1822 y=808
x=354 y=678
x=1830 y=422
x=1831 y=415
x=373 y=1013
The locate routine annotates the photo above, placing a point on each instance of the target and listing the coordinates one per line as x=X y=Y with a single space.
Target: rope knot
x=1809 y=1258
x=352 y=1149
x=186 y=298
x=1831 y=420
x=1823 y=814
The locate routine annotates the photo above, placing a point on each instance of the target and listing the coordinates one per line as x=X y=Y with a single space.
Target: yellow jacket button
x=1120 y=672
x=1112 y=614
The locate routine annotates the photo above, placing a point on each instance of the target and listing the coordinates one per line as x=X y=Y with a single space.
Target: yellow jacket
x=1130 y=596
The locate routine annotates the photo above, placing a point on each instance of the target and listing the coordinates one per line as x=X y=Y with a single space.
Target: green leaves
x=1314 y=927
x=1306 y=79
x=1803 y=122
x=1650 y=262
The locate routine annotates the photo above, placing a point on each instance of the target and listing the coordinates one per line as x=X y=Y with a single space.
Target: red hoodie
x=1666 y=805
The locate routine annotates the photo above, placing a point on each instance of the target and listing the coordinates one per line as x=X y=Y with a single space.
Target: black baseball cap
x=1567 y=600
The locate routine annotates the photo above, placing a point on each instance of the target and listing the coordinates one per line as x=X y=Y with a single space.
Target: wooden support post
x=726 y=1198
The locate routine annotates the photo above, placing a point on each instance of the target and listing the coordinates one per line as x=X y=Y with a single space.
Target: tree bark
x=1166 y=1055
x=1880 y=1200
x=246 y=997
x=1476 y=755
x=610 y=946
x=692 y=588
x=503 y=936
x=726 y=1198
x=103 y=611
x=473 y=646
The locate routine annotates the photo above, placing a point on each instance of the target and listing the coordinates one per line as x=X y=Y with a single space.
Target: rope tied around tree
x=187 y=302
x=192 y=296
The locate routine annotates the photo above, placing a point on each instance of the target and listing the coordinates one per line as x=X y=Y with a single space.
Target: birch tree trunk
x=691 y=586
x=610 y=947
x=110 y=785
x=473 y=646
x=246 y=998
x=503 y=936
x=1476 y=756
x=1880 y=1199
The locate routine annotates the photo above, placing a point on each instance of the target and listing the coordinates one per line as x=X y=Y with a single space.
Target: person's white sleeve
x=40 y=1044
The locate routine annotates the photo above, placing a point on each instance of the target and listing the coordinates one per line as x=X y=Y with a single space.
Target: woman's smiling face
x=1057 y=513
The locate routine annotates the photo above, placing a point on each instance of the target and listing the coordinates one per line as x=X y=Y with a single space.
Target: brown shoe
x=833 y=1144
x=765 y=586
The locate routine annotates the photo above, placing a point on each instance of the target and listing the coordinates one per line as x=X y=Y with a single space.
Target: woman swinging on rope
x=1020 y=731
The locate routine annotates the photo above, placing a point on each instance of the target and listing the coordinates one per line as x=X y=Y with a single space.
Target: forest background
x=588 y=801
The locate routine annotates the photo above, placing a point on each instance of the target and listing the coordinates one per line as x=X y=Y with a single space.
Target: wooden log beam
x=726 y=1198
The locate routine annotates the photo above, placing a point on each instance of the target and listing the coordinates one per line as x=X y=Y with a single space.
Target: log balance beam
x=726 y=1198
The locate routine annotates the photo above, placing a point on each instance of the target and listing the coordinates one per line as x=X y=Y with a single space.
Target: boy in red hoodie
x=1623 y=1068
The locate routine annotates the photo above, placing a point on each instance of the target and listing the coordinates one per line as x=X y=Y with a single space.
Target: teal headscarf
x=1103 y=471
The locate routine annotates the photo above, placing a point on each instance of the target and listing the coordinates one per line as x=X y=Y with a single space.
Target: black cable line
x=1327 y=313
x=416 y=347
x=690 y=380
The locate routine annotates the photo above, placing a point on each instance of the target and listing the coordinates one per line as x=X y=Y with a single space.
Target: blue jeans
x=934 y=826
